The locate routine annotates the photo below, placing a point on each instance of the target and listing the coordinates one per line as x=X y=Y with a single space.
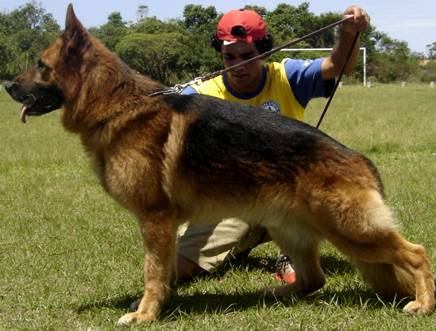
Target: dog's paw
x=135 y=317
x=417 y=308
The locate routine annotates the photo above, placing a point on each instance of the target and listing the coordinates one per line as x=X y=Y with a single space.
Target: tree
x=327 y=38
x=111 y=32
x=392 y=61
x=5 y=55
x=287 y=22
x=154 y=25
x=31 y=17
x=431 y=49
x=199 y=25
x=141 y=13
x=428 y=72
x=116 y=20
x=155 y=55
x=197 y=18
x=180 y=48
x=262 y=11
x=24 y=33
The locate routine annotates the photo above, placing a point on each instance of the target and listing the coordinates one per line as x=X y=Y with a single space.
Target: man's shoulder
x=289 y=66
x=297 y=65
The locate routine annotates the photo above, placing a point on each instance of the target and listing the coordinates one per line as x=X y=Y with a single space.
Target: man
x=285 y=88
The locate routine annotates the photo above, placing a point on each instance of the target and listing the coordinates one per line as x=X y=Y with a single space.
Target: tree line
x=177 y=50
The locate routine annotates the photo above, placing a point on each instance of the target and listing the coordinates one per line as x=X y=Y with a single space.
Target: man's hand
x=332 y=65
x=359 y=23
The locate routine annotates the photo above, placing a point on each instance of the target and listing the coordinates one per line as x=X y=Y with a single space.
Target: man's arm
x=332 y=65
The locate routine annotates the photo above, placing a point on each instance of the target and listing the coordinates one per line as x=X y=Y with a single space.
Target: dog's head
x=43 y=88
x=36 y=91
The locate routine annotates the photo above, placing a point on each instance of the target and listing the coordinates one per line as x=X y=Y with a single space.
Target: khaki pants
x=209 y=245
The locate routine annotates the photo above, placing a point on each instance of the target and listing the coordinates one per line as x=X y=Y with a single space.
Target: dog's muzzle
x=37 y=100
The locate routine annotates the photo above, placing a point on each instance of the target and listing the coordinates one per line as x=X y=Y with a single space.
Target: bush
x=428 y=72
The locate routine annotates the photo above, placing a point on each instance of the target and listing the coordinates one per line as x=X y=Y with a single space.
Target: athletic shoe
x=284 y=270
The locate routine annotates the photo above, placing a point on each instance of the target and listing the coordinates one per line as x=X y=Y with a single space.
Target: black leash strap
x=338 y=80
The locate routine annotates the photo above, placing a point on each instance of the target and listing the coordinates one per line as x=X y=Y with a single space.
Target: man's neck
x=253 y=87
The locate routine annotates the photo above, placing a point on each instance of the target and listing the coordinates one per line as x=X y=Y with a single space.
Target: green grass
x=71 y=259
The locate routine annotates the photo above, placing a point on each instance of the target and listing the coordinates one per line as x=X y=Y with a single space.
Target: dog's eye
x=40 y=65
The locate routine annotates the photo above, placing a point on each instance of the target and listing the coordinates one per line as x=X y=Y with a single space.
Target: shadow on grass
x=332 y=265
x=200 y=302
x=222 y=303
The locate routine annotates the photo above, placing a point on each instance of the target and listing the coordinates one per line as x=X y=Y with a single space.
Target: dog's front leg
x=159 y=235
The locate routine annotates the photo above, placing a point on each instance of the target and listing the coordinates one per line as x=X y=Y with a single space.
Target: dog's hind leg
x=364 y=230
x=303 y=248
x=408 y=275
x=159 y=236
x=387 y=280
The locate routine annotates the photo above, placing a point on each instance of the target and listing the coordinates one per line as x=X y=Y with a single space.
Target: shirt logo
x=307 y=62
x=271 y=106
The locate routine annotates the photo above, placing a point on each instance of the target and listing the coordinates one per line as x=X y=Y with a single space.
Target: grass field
x=71 y=259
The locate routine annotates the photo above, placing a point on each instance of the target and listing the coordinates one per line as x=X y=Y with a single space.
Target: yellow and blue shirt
x=286 y=87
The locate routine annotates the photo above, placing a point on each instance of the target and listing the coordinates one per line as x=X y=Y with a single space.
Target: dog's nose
x=10 y=86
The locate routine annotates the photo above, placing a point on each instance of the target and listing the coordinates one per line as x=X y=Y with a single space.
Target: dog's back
x=230 y=148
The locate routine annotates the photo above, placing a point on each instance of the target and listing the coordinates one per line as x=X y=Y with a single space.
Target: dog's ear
x=75 y=35
x=72 y=24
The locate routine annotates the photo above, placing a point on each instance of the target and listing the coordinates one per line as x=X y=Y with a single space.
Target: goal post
x=363 y=49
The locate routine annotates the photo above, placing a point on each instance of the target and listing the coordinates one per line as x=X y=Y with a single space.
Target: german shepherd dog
x=172 y=158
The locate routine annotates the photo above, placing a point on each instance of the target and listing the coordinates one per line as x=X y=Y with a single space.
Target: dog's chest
x=128 y=177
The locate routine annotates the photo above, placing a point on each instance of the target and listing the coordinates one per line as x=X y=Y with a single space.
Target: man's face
x=244 y=78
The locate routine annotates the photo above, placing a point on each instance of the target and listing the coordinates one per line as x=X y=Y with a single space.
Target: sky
x=410 y=21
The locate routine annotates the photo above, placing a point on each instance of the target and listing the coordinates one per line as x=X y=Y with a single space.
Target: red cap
x=251 y=21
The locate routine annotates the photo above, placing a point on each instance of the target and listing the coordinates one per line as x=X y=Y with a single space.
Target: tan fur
x=136 y=145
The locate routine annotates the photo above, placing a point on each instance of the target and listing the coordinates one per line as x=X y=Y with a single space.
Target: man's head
x=241 y=35
x=242 y=25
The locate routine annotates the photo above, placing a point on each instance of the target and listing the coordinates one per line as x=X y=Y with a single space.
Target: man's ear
x=75 y=35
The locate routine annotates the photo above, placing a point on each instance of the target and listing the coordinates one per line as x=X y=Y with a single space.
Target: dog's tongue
x=23 y=114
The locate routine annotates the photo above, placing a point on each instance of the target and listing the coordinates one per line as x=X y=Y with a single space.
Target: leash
x=179 y=87
x=338 y=80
